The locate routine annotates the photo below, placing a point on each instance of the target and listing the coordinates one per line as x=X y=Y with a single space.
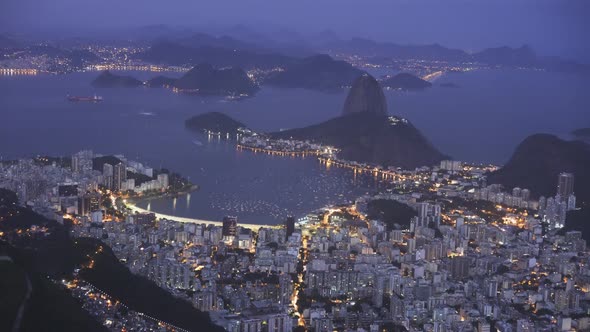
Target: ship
x=92 y=99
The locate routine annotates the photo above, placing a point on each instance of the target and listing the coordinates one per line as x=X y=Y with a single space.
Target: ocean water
x=481 y=121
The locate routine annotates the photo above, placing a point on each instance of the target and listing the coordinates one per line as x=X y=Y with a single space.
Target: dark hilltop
x=364 y=133
x=106 y=79
x=214 y=121
x=206 y=80
x=537 y=161
x=372 y=138
x=318 y=72
x=365 y=96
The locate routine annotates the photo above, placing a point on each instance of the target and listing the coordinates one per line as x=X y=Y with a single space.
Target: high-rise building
x=565 y=185
x=89 y=203
x=82 y=161
x=459 y=267
x=164 y=180
x=516 y=192
x=428 y=213
x=107 y=172
x=451 y=165
x=230 y=225
x=119 y=176
x=76 y=164
x=290 y=226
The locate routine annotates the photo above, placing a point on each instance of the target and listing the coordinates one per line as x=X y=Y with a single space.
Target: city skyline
x=309 y=166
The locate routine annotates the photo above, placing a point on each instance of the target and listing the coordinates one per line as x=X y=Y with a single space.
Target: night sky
x=552 y=27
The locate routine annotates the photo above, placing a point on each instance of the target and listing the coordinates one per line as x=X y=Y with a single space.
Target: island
x=365 y=133
x=106 y=79
x=406 y=81
x=203 y=80
x=214 y=122
x=206 y=80
x=319 y=72
x=161 y=82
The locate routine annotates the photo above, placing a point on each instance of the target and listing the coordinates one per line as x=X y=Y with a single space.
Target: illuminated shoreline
x=135 y=208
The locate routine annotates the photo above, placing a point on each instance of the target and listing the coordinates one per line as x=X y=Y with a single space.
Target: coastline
x=129 y=204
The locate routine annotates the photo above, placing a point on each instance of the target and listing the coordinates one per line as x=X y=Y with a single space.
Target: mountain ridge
x=537 y=161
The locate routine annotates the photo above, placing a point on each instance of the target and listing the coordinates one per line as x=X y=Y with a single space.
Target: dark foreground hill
x=57 y=255
x=537 y=161
x=373 y=138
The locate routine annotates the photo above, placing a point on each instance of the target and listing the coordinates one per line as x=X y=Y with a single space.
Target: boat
x=92 y=99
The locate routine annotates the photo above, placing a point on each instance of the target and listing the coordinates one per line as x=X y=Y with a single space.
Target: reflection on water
x=261 y=188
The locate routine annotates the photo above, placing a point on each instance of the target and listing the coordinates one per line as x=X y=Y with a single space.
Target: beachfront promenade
x=134 y=208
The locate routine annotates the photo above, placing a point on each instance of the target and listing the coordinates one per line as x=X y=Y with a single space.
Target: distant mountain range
x=219 y=54
x=245 y=48
x=504 y=56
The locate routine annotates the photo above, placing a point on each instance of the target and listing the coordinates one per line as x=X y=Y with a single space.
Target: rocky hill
x=365 y=96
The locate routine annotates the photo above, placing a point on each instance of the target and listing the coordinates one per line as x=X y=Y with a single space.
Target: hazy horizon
x=551 y=27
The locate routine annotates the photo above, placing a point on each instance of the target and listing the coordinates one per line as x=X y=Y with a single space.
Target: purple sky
x=551 y=26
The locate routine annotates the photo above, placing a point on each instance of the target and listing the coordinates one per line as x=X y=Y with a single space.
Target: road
x=134 y=208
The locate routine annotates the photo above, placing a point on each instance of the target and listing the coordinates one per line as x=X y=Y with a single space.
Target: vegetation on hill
x=206 y=80
x=373 y=138
x=56 y=255
x=215 y=122
x=365 y=96
x=109 y=80
x=392 y=213
x=319 y=72
x=538 y=160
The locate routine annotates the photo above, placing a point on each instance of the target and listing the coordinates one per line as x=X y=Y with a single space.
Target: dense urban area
x=441 y=250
